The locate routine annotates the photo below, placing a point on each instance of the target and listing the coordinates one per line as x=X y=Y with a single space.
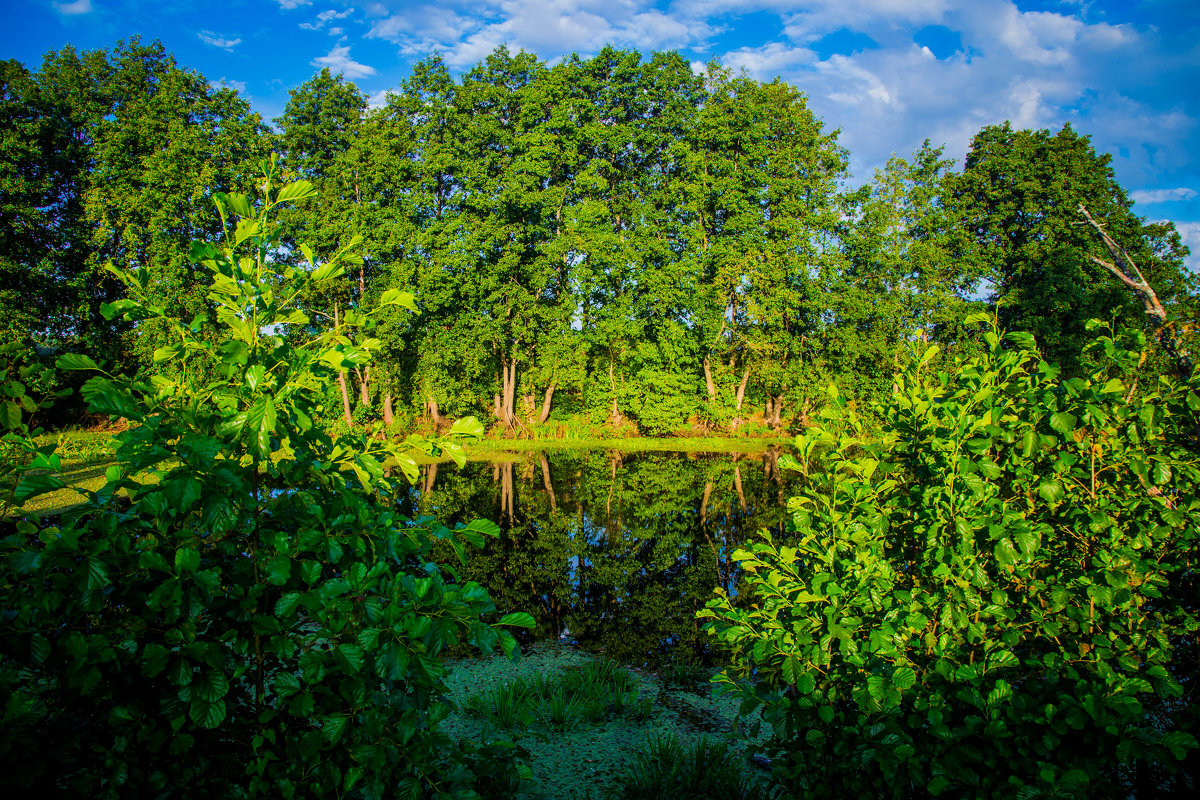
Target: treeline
x=608 y=239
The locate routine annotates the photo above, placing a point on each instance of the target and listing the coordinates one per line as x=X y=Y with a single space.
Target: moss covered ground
x=589 y=758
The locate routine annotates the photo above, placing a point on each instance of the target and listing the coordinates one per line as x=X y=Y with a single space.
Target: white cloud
x=327 y=16
x=1190 y=233
x=74 y=9
x=237 y=86
x=466 y=32
x=1149 y=196
x=288 y=5
x=210 y=38
x=338 y=60
x=378 y=99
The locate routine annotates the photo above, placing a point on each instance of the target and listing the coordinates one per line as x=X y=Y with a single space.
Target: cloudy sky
x=886 y=73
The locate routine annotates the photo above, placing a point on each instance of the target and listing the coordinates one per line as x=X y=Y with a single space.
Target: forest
x=611 y=240
x=983 y=585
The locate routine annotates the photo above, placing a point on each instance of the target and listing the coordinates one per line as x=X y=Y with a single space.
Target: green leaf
x=207 y=713
x=34 y=485
x=187 y=560
x=328 y=271
x=334 y=728
x=239 y=204
x=466 y=427
x=286 y=684
x=299 y=190
x=904 y=678
x=74 y=361
x=1179 y=743
x=181 y=492
x=395 y=297
x=518 y=619
x=351 y=657
x=1063 y=422
x=163 y=354
x=1051 y=491
x=154 y=660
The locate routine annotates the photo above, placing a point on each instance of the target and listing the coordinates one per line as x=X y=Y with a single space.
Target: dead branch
x=1124 y=269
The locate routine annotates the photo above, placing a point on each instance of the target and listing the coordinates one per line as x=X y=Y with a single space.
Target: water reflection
x=614 y=550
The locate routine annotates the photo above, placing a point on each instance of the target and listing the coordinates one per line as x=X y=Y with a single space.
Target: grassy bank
x=590 y=727
x=87 y=454
x=639 y=444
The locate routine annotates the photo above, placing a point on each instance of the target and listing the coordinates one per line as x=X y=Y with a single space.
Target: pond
x=614 y=551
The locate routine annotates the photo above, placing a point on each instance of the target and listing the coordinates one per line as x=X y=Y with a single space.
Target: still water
x=614 y=551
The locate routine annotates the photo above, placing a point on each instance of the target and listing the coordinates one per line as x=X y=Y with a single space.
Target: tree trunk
x=364 y=381
x=388 y=416
x=507 y=505
x=708 y=380
x=615 y=416
x=739 y=397
x=737 y=484
x=434 y=414
x=708 y=487
x=337 y=326
x=545 y=412
x=510 y=393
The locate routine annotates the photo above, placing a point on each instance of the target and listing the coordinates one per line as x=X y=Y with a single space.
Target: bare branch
x=1126 y=271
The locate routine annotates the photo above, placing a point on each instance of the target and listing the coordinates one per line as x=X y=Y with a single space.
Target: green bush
x=258 y=621
x=997 y=599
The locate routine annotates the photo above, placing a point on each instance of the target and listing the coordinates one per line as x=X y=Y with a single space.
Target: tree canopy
x=617 y=239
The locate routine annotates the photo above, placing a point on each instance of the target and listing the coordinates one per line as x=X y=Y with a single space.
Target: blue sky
x=886 y=73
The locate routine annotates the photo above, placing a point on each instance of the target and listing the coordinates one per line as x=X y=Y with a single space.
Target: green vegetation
x=603 y=247
x=595 y=750
x=989 y=585
x=995 y=599
x=246 y=625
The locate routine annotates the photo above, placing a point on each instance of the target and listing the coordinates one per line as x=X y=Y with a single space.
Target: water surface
x=615 y=551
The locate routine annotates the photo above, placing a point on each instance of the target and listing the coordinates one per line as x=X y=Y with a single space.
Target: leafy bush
x=258 y=621
x=19 y=452
x=997 y=599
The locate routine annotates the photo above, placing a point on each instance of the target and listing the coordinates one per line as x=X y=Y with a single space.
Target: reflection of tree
x=620 y=549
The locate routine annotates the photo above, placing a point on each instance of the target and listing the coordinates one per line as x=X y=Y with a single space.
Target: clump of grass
x=507 y=706
x=593 y=692
x=686 y=677
x=708 y=770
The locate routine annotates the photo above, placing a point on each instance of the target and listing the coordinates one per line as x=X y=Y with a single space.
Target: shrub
x=996 y=599
x=258 y=621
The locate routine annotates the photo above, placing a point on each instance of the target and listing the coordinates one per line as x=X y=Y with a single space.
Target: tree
x=111 y=145
x=258 y=621
x=903 y=271
x=1020 y=192
x=992 y=597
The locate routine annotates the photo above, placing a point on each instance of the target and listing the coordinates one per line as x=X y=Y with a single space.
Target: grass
x=489 y=447
x=87 y=454
x=586 y=722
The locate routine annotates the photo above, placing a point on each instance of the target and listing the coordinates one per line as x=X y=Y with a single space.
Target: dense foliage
x=612 y=238
x=240 y=610
x=996 y=599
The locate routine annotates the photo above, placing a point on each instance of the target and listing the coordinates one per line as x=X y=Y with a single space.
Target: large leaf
x=75 y=361
x=299 y=190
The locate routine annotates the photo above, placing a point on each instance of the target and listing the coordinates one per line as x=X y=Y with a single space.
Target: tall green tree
x=1020 y=191
x=111 y=146
x=903 y=272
